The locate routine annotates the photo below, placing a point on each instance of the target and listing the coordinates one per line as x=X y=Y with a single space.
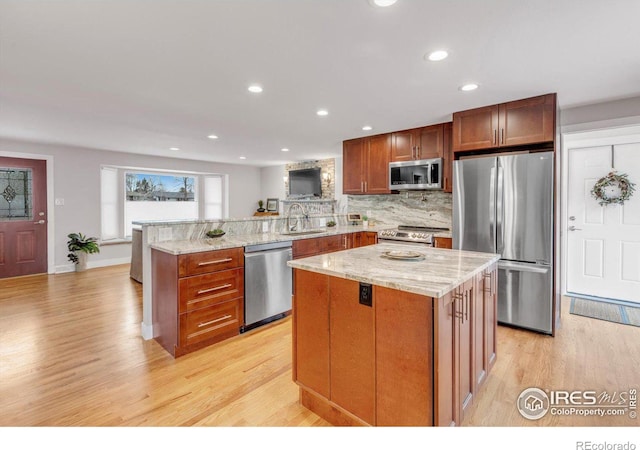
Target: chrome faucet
x=302 y=209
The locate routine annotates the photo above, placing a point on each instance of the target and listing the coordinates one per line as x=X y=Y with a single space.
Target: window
x=130 y=195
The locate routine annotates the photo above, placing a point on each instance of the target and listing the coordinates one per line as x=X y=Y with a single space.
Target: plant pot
x=82 y=262
x=365 y=223
x=261 y=210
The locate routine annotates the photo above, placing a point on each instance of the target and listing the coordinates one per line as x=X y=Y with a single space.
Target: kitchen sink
x=302 y=232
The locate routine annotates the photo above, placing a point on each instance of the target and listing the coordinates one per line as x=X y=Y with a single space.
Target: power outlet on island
x=265 y=227
x=366 y=294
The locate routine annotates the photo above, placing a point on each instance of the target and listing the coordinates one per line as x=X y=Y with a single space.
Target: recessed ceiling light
x=243 y=157
x=256 y=89
x=367 y=128
x=382 y=3
x=212 y=136
x=438 y=55
x=284 y=150
x=322 y=112
x=175 y=149
x=469 y=87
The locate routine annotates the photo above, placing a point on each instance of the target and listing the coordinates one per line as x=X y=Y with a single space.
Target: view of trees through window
x=159 y=188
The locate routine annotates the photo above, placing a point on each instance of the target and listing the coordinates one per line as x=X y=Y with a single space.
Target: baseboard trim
x=146 y=331
x=65 y=268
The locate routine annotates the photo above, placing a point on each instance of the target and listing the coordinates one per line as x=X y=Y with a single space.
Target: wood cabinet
x=418 y=143
x=198 y=298
x=366 y=165
x=521 y=122
x=303 y=248
x=442 y=242
x=405 y=360
x=352 y=350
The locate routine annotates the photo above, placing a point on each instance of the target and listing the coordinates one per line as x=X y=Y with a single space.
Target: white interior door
x=603 y=242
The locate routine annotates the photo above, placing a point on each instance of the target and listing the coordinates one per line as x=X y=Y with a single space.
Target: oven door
x=382 y=240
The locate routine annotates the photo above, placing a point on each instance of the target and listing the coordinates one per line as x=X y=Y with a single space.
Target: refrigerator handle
x=519 y=267
x=500 y=210
x=492 y=206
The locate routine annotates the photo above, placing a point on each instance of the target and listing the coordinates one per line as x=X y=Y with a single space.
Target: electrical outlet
x=265 y=227
x=59 y=202
x=323 y=222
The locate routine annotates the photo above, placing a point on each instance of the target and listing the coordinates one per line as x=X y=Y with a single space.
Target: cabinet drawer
x=207 y=323
x=305 y=247
x=205 y=262
x=333 y=243
x=205 y=290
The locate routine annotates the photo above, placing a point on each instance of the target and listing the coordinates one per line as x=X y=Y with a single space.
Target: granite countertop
x=242 y=240
x=438 y=273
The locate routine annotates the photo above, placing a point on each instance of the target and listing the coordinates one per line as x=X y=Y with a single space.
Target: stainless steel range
x=410 y=234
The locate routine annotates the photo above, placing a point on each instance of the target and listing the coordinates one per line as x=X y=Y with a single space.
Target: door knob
x=572 y=217
x=572 y=228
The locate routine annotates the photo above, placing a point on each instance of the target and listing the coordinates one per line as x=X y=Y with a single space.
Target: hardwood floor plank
x=71 y=354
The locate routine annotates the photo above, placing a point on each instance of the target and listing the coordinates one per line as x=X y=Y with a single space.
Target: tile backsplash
x=428 y=208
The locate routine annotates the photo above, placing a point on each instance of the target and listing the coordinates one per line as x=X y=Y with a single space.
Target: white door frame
x=600 y=133
x=51 y=245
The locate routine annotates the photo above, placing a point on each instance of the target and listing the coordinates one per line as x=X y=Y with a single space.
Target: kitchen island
x=381 y=340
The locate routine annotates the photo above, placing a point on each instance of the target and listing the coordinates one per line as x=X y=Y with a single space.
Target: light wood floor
x=71 y=355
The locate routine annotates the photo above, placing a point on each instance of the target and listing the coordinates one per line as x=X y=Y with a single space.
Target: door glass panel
x=16 y=194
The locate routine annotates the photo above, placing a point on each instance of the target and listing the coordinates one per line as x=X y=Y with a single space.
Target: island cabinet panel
x=454 y=354
x=490 y=293
x=480 y=348
x=198 y=298
x=311 y=331
x=464 y=298
x=352 y=344
x=446 y=387
x=404 y=358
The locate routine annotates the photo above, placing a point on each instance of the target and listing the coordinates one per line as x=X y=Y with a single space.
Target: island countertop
x=439 y=272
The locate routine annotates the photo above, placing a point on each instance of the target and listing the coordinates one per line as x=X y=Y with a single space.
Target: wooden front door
x=23 y=217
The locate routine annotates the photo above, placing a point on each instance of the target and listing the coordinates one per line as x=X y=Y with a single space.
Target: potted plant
x=79 y=247
x=260 y=208
x=365 y=221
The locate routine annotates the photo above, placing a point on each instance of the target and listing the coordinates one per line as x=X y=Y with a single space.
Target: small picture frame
x=353 y=217
x=272 y=205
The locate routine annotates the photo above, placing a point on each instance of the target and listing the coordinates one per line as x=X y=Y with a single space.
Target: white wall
x=601 y=115
x=272 y=184
x=76 y=178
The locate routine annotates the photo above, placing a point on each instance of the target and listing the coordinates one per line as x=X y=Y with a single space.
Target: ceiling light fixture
x=382 y=3
x=438 y=55
x=367 y=128
x=284 y=150
x=322 y=112
x=243 y=157
x=469 y=87
x=175 y=149
x=256 y=89
x=212 y=136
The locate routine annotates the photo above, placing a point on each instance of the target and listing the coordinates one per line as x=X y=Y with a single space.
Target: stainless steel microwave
x=415 y=175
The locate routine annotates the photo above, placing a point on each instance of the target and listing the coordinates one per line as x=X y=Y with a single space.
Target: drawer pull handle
x=228 y=316
x=217 y=288
x=218 y=261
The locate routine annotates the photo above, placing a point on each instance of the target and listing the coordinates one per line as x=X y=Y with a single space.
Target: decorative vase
x=82 y=262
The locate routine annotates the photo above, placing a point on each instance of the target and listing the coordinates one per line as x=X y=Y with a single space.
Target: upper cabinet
x=521 y=122
x=418 y=143
x=366 y=165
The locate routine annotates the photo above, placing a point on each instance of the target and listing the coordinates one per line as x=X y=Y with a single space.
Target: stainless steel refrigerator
x=504 y=204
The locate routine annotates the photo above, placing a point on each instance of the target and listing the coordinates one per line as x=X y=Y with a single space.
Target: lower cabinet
x=198 y=298
x=400 y=360
x=303 y=248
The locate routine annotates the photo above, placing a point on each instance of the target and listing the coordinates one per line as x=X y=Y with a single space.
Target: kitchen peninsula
x=393 y=342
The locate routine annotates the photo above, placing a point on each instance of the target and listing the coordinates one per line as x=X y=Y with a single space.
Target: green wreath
x=614 y=188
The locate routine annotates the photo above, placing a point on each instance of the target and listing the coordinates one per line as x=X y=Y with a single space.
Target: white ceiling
x=142 y=76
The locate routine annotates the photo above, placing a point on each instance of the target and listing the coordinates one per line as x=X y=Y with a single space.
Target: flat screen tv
x=305 y=183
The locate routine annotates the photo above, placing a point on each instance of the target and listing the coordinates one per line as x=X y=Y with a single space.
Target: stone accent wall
x=328 y=170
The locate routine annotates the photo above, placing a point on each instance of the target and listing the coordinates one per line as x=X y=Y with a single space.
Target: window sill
x=116 y=242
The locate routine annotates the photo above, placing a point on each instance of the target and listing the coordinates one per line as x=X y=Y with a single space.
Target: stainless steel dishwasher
x=267 y=283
